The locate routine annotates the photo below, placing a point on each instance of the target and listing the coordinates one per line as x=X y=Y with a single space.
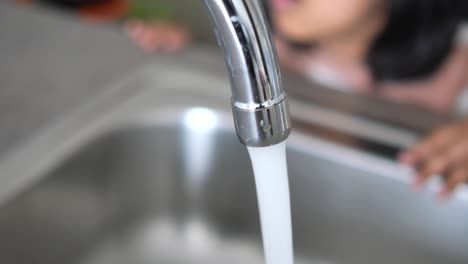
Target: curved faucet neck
x=258 y=98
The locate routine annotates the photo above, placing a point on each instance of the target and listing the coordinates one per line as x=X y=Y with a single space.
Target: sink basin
x=161 y=178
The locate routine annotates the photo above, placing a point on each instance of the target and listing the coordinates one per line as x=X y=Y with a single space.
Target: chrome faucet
x=259 y=102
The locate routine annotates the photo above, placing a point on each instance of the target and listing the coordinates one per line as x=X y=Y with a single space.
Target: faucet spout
x=259 y=102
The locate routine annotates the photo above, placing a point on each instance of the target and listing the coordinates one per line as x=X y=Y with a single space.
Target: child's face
x=319 y=20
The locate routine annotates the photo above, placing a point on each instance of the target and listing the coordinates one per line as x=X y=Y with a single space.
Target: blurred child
x=413 y=51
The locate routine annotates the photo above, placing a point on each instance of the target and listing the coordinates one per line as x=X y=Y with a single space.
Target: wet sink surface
x=171 y=190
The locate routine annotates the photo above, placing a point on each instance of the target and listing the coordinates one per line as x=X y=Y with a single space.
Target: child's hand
x=444 y=152
x=157 y=36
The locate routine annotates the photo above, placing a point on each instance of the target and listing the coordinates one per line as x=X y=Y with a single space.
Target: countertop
x=51 y=64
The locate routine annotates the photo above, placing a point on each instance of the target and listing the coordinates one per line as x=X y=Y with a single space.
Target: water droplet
x=266 y=127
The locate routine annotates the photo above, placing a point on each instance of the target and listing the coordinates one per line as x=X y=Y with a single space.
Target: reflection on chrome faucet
x=259 y=101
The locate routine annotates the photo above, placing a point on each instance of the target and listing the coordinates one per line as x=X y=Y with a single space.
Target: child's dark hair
x=418 y=37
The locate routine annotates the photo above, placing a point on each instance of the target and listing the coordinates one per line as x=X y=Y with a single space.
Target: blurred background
x=410 y=52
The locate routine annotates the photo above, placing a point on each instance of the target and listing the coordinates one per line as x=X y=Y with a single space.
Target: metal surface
x=259 y=101
x=159 y=177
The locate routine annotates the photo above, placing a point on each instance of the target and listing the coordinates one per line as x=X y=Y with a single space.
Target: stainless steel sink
x=152 y=172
